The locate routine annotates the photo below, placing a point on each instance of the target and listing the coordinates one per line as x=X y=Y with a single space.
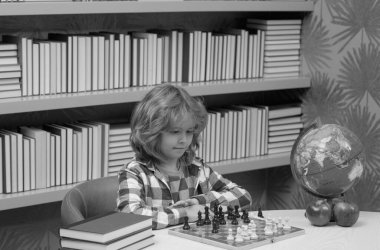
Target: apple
x=332 y=203
x=346 y=213
x=319 y=212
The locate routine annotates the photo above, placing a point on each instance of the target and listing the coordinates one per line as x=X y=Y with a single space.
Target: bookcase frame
x=129 y=95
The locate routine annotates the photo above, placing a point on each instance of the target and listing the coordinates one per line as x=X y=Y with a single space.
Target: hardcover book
x=128 y=242
x=106 y=227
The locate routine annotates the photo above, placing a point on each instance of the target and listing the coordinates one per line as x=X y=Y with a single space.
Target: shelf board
x=252 y=163
x=54 y=194
x=105 y=7
x=135 y=94
x=34 y=197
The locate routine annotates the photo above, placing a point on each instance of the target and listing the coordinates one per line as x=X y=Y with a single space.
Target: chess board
x=204 y=234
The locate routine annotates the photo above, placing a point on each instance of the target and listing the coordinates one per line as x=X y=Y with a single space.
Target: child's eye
x=190 y=131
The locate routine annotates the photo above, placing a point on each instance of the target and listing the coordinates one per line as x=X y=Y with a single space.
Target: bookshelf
x=130 y=95
x=53 y=194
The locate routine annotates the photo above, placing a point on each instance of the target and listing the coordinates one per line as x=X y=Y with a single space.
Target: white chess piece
x=238 y=237
x=230 y=237
x=254 y=236
x=286 y=224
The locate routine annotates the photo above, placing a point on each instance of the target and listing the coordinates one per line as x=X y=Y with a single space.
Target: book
x=10 y=67
x=275 y=21
x=285 y=132
x=279 y=150
x=8 y=46
x=128 y=242
x=273 y=27
x=285 y=110
x=106 y=227
x=285 y=120
x=286 y=126
x=281 y=138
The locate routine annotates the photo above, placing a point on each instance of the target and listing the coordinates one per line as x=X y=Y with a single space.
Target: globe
x=327 y=160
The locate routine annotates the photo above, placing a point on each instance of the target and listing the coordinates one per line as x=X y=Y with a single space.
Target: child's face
x=176 y=140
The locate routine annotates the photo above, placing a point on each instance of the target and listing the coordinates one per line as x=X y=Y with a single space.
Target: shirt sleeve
x=217 y=189
x=131 y=199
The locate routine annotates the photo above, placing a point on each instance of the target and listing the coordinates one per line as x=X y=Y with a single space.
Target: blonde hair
x=162 y=106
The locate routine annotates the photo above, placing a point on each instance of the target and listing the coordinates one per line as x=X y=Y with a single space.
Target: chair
x=89 y=199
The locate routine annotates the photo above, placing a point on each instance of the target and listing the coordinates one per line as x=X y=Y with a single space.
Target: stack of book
x=120 y=150
x=281 y=46
x=114 y=230
x=10 y=71
x=284 y=126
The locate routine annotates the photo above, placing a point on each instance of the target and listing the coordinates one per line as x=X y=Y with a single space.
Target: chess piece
x=215 y=227
x=221 y=214
x=186 y=226
x=238 y=236
x=286 y=226
x=245 y=217
x=200 y=220
x=237 y=211
x=230 y=237
x=222 y=221
x=229 y=213
x=207 y=220
x=254 y=236
x=234 y=220
x=260 y=213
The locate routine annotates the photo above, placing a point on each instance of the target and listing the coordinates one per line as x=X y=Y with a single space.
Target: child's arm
x=216 y=188
x=131 y=198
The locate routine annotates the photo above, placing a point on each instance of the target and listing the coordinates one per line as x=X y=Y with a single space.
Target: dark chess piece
x=200 y=220
x=229 y=213
x=260 y=213
x=234 y=220
x=245 y=217
x=215 y=227
x=237 y=211
x=221 y=215
x=216 y=221
x=215 y=208
x=207 y=220
x=186 y=226
x=244 y=214
x=222 y=221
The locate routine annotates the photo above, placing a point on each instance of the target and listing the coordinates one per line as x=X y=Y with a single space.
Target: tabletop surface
x=364 y=235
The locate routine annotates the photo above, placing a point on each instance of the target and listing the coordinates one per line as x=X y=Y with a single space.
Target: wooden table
x=364 y=235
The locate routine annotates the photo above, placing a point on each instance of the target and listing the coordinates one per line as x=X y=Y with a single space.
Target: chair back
x=88 y=199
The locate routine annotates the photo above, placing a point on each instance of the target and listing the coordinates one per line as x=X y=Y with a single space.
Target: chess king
x=327 y=160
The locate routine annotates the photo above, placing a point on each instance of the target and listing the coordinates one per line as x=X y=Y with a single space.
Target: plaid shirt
x=144 y=190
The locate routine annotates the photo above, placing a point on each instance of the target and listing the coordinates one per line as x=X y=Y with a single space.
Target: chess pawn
x=286 y=226
x=268 y=228
x=254 y=236
x=234 y=220
x=230 y=237
x=279 y=224
x=186 y=226
x=238 y=236
x=200 y=220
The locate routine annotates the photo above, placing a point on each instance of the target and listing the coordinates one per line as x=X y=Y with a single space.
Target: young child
x=166 y=180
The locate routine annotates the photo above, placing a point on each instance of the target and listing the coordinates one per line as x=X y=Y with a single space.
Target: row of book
x=248 y=131
x=59 y=154
x=281 y=46
x=109 y=231
x=66 y=63
x=52 y=155
x=10 y=71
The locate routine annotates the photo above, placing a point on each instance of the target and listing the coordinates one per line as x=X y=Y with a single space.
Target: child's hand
x=185 y=203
